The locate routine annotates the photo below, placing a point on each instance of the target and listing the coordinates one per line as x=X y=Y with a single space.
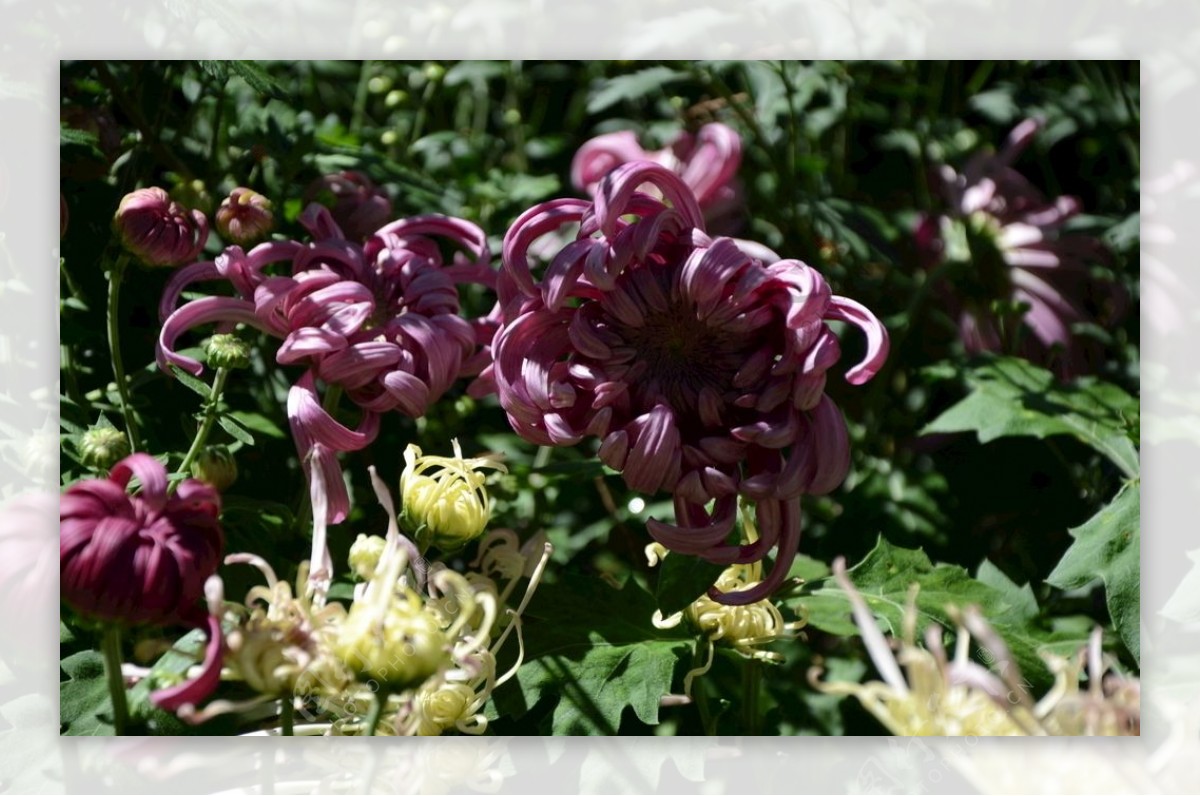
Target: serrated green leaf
x=192 y=383
x=884 y=578
x=1011 y=397
x=257 y=78
x=630 y=87
x=594 y=650
x=681 y=580
x=235 y=431
x=1108 y=547
x=218 y=69
x=1021 y=597
x=84 y=706
x=71 y=137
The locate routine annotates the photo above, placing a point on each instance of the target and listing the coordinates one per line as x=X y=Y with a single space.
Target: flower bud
x=449 y=507
x=245 y=217
x=216 y=467
x=227 y=351
x=142 y=558
x=440 y=706
x=358 y=206
x=103 y=446
x=398 y=644
x=365 y=554
x=159 y=231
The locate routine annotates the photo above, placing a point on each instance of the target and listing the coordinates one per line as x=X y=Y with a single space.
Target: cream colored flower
x=924 y=693
x=444 y=499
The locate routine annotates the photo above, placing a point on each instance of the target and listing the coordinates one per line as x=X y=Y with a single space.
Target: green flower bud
x=216 y=467
x=103 y=446
x=365 y=554
x=227 y=351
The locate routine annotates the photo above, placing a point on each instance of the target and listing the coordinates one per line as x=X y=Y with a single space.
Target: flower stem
x=287 y=713
x=376 y=712
x=752 y=687
x=210 y=417
x=111 y=646
x=114 y=345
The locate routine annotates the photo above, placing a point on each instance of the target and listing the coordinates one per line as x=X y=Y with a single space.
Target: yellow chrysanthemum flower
x=444 y=500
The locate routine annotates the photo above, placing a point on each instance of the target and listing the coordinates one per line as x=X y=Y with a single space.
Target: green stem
x=115 y=275
x=752 y=687
x=210 y=417
x=287 y=713
x=111 y=645
x=381 y=697
x=360 y=99
x=700 y=697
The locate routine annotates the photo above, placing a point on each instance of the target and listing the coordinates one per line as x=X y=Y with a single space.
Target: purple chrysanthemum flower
x=380 y=320
x=141 y=558
x=706 y=161
x=158 y=230
x=1014 y=239
x=699 y=368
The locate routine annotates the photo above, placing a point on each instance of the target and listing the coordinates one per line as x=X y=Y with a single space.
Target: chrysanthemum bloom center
x=676 y=356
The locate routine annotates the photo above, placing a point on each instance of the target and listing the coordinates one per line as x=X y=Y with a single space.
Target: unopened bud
x=365 y=554
x=217 y=467
x=102 y=447
x=227 y=351
x=158 y=230
x=245 y=217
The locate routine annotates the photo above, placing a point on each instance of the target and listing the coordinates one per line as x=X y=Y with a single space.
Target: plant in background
x=358 y=205
x=707 y=161
x=700 y=369
x=1024 y=275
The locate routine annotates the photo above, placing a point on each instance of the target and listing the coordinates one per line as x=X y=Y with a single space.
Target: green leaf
x=1184 y=604
x=1011 y=397
x=71 y=137
x=1108 y=547
x=256 y=422
x=192 y=383
x=84 y=706
x=257 y=78
x=630 y=87
x=1020 y=597
x=593 y=650
x=681 y=580
x=884 y=578
x=235 y=431
x=218 y=69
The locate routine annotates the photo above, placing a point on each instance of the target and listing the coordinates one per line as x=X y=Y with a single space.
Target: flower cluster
x=378 y=320
x=699 y=368
x=419 y=640
x=938 y=696
x=1019 y=253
